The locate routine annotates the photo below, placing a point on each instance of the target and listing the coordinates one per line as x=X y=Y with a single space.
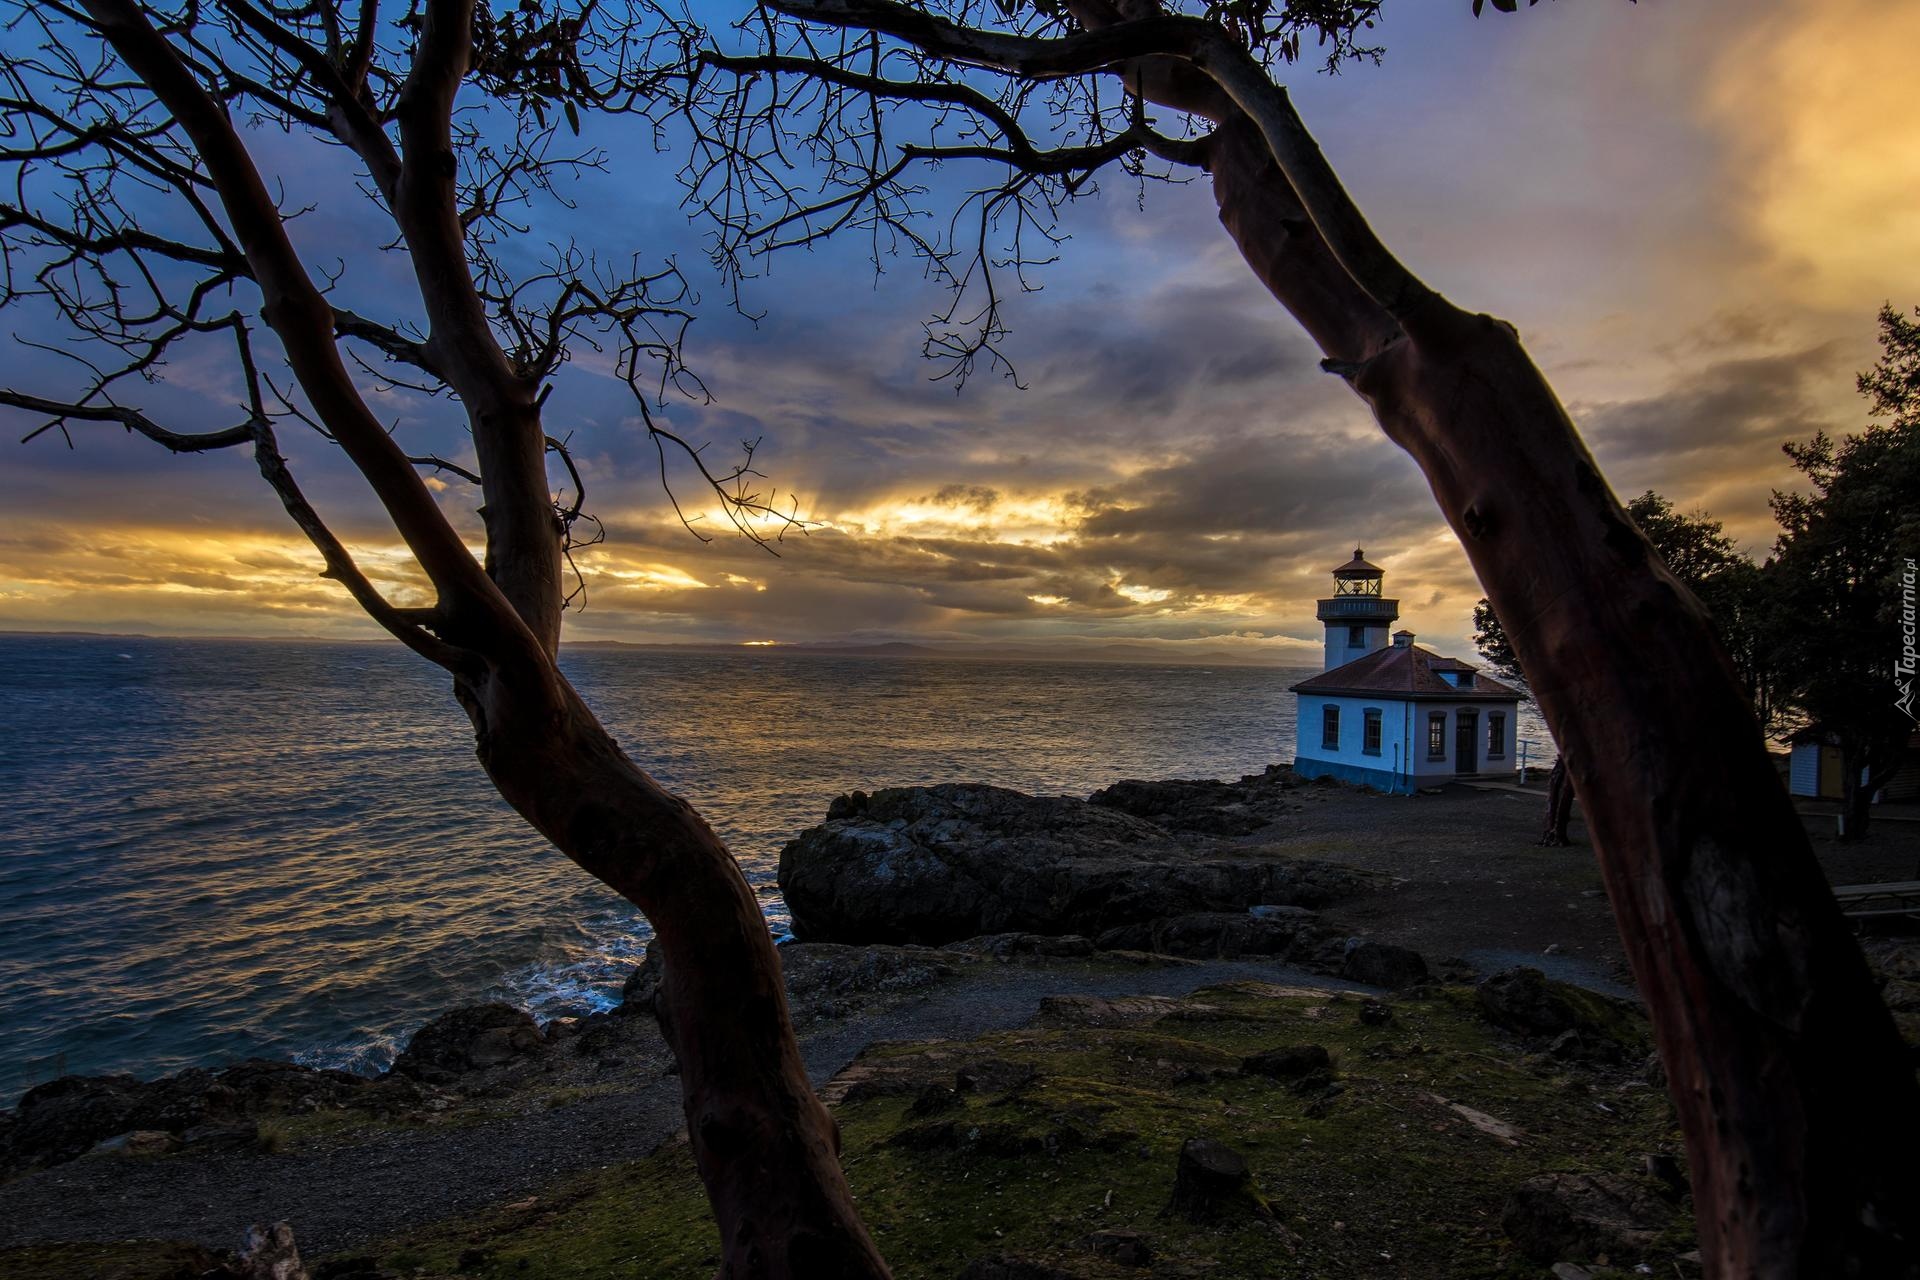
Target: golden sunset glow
x=1176 y=469
x=1817 y=100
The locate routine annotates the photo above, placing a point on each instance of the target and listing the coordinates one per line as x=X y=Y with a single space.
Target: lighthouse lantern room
x=1357 y=616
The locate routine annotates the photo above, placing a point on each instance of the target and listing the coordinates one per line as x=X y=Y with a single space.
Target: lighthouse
x=1356 y=616
x=1385 y=712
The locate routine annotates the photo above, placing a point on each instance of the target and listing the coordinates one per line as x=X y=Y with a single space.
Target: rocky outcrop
x=1569 y=1021
x=1212 y=1183
x=938 y=864
x=470 y=1039
x=826 y=980
x=1381 y=964
x=1206 y=806
x=68 y=1117
x=1287 y=1062
x=64 y=1118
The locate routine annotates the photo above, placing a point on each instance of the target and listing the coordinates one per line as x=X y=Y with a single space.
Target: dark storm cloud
x=1720 y=426
x=1302 y=487
x=1176 y=466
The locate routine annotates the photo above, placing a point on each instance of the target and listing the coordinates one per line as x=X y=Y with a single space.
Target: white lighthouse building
x=1386 y=712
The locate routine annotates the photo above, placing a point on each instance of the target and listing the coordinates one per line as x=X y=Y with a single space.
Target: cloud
x=1669 y=213
x=1816 y=98
x=1712 y=437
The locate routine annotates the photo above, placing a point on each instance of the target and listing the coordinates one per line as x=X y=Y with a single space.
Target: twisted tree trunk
x=1553 y=834
x=1794 y=1089
x=766 y=1147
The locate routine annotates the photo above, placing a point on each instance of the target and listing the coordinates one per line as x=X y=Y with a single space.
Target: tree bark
x=1793 y=1087
x=1856 y=799
x=1559 y=807
x=1864 y=775
x=766 y=1147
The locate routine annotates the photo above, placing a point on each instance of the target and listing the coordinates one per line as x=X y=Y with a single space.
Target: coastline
x=481 y=1112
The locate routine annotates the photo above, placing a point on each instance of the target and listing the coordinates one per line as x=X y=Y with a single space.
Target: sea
x=218 y=849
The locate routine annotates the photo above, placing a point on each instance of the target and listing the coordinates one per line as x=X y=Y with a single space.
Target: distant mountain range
x=1139 y=653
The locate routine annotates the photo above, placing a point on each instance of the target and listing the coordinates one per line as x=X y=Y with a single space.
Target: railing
x=1359 y=607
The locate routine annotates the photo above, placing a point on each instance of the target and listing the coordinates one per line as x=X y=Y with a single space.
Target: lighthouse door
x=1466 y=742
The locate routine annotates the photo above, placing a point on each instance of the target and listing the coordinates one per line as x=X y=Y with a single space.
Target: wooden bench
x=1895 y=898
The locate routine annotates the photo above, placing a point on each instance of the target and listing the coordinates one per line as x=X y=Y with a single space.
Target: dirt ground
x=1476 y=886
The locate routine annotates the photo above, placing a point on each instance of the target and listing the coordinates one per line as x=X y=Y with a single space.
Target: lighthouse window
x=1329 y=728
x=1437 y=736
x=1370 y=731
x=1356 y=636
x=1496 y=735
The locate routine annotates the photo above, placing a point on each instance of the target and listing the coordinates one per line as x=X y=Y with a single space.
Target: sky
x=1691 y=212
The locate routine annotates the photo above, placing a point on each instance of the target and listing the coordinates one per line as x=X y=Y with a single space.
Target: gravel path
x=337 y=1199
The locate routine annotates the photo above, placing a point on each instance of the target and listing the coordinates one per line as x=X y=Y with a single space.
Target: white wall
x=1403 y=735
x=1340 y=653
x=1392 y=756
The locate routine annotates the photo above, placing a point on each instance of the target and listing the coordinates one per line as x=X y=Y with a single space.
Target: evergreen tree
x=1844 y=559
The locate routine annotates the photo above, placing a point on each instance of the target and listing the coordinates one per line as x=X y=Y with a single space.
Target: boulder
x=934 y=865
x=1206 y=806
x=1582 y=1215
x=270 y=1254
x=1524 y=1001
x=1212 y=1183
x=65 y=1118
x=1381 y=964
x=470 y=1039
x=1287 y=1062
x=638 y=991
x=1128 y=1248
x=70 y=1116
x=1573 y=1022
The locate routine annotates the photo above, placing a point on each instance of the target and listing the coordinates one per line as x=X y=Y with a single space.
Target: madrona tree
x=1701 y=557
x=146 y=151
x=828 y=117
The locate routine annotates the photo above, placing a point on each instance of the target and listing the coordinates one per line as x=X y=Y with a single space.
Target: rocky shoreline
x=892 y=894
x=1146 y=916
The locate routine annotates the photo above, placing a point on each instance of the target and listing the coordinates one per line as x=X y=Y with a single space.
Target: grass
x=1380 y=1179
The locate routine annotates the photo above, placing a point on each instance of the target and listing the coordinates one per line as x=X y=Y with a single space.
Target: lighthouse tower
x=1356 y=616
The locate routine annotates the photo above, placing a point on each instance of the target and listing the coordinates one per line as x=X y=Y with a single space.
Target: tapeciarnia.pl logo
x=1903 y=670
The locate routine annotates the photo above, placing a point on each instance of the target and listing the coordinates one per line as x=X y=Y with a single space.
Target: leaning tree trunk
x=1793 y=1088
x=766 y=1147
x=1553 y=835
x=1856 y=802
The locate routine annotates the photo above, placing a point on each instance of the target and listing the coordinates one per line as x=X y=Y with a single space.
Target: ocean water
x=217 y=849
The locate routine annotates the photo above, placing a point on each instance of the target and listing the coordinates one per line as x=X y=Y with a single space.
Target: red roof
x=1407 y=672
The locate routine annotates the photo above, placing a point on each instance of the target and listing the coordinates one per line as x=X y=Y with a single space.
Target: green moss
x=1379 y=1177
